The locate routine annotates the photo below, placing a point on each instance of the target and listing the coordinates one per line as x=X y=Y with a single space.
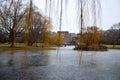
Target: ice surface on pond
x=64 y=64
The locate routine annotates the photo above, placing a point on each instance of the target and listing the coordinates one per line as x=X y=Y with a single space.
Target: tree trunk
x=13 y=37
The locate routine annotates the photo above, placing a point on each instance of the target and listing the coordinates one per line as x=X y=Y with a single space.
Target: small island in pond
x=91 y=48
x=90 y=40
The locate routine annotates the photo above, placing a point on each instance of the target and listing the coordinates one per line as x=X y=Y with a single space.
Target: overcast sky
x=110 y=15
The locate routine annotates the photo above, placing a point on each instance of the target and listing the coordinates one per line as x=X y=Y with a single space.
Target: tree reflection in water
x=80 y=62
x=11 y=61
x=58 y=55
x=24 y=62
x=93 y=54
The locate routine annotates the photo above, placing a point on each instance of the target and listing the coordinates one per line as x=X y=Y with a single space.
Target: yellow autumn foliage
x=57 y=39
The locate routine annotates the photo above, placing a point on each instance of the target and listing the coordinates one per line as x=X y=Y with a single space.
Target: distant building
x=69 y=38
x=73 y=38
x=53 y=33
x=65 y=35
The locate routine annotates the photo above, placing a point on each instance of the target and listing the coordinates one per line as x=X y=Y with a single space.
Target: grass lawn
x=111 y=46
x=20 y=46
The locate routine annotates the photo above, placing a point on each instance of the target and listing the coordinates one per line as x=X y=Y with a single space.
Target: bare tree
x=35 y=29
x=11 y=15
x=112 y=36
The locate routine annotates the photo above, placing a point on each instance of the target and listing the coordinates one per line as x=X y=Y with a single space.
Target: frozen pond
x=64 y=64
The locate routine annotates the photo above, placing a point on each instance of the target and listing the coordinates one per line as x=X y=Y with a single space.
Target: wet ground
x=64 y=64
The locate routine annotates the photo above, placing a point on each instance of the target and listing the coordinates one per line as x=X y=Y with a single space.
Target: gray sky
x=110 y=15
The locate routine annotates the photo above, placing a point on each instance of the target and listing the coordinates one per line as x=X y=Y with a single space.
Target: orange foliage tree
x=92 y=37
x=57 y=39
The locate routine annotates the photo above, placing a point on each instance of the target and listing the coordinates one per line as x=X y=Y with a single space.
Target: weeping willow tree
x=27 y=24
x=87 y=13
x=96 y=15
x=90 y=15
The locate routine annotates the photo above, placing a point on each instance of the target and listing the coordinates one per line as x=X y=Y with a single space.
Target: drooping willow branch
x=28 y=22
x=88 y=12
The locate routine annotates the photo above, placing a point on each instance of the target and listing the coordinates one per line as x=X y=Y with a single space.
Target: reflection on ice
x=11 y=61
x=60 y=65
x=58 y=55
